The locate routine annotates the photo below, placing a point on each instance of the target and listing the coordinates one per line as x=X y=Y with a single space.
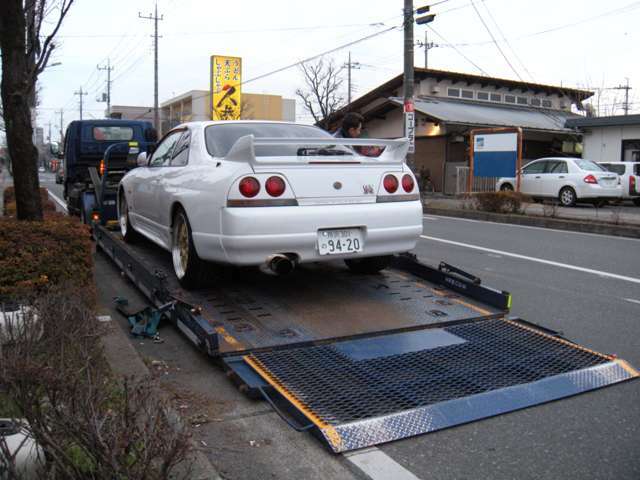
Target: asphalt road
x=587 y=286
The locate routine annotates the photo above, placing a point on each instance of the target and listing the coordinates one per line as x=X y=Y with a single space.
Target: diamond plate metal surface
x=500 y=366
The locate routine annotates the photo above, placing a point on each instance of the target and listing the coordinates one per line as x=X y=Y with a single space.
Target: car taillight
x=407 y=183
x=101 y=168
x=275 y=186
x=590 y=179
x=249 y=187
x=390 y=183
x=632 y=184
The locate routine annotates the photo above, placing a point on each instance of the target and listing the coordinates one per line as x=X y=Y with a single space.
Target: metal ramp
x=357 y=393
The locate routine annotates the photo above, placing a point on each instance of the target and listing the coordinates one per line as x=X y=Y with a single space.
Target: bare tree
x=25 y=53
x=321 y=97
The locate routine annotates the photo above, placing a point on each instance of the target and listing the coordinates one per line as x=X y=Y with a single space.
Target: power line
x=504 y=39
x=494 y=40
x=459 y=52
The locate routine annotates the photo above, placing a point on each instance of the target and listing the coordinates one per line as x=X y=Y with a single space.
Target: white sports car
x=270 y=194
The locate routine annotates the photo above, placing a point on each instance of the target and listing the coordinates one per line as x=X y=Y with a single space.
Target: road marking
x=538 y=260
x=632 y=300
x=59 y=201
x=378 y=465
x=599 y=235
x=426 y=217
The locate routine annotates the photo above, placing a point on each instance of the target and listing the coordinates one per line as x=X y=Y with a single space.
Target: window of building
x=535 y=102
x=546 y=103
x=482 y=96
x=510 y=98
x=467 y=93
x=496 y=97
x=522 y=101
x=453 y=92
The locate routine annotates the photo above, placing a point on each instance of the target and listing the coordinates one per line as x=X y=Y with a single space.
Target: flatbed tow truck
x=360 y=360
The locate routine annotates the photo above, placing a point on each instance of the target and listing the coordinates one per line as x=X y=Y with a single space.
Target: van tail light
x=408 y=183
x=590 y=179
x=632 y=185
x=101 y=167
x=249 y=187
x=275 y=186
x=390 y=183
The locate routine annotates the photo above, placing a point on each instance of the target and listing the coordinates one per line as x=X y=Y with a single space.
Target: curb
x=543 y=222
x=125 y=360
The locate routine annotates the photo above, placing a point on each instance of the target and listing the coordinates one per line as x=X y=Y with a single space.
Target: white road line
x=531 y=227
x=534 y=259
x=59 y=201
x=426 y=217
x=632 y=300
x=378 y=465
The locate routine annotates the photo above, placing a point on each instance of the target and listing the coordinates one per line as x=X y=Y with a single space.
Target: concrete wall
x=391 y=126
x=604 y=144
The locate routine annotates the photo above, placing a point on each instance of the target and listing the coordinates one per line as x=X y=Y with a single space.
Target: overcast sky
x=570 y=42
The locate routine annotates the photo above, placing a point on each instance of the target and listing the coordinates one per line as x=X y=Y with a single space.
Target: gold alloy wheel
x=180 y=247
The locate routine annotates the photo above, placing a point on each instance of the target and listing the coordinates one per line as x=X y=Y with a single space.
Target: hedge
x=499 y=202
x=37 y=255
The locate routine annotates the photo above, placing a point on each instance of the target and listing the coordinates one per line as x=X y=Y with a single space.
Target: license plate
x=338 y=241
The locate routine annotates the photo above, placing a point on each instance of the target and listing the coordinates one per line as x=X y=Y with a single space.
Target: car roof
x=206 y=123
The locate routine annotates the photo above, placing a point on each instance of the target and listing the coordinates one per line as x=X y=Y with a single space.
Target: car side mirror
x=142 y=161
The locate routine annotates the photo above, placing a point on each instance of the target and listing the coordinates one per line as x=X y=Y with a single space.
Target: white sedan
x=569 y=180
x=270 y=194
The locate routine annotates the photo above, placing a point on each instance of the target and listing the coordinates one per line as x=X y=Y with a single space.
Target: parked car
x=60 y=174
x=41 y=169
x=569 y=180
x=629 y=173
x=270 y=193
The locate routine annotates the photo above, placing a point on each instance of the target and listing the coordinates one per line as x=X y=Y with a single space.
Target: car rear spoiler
x=243 y=150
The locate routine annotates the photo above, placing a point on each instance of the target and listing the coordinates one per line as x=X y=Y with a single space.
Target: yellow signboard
x=226 y=79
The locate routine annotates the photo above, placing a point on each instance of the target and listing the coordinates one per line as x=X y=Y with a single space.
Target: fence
x=480 y=184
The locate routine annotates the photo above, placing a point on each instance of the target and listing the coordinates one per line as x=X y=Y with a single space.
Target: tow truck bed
x=360 y=360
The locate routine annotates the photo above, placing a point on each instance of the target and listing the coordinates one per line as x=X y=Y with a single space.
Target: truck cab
x=86 y=142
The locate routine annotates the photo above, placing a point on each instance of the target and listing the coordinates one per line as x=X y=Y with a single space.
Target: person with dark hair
x=351 y=126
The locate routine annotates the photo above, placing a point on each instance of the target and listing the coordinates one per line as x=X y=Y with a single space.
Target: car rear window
x=112 y=133
x=220 y=138
x=589 y=166
x=612 y=167
x=636 y=169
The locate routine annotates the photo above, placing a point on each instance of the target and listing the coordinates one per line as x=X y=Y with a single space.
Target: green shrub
x=499 y=202
x=37 y=255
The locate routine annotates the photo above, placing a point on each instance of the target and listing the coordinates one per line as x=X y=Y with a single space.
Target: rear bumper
x=597 y=192
x=250 y=235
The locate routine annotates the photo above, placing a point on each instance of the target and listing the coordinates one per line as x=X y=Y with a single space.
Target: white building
x=609 y=139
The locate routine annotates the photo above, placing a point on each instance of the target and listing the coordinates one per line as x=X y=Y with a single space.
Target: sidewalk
x=618 y=220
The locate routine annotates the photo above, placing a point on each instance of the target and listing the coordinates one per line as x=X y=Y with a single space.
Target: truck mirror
x=142 y=159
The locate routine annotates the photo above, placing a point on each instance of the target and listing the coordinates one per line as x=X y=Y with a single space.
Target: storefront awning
x=485 y=114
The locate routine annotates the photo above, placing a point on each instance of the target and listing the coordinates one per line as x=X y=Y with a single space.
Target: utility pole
x=626 y=89
x=108 y=69
x=155 y=18
x=409 y=113
x=350 y=65
x=427 y=46
x=81 y=94
x=61 y=112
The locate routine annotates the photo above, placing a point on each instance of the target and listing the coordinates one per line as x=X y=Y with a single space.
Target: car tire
x=636 y=202
x=506 y=187
x=369 y=265
x=567 y=197
x=126 y=230
x=189 y=269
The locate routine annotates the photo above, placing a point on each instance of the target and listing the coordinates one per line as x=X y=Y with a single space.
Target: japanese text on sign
x=226 y=79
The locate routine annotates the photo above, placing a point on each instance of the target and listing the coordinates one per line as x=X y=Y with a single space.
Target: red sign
x=408 y=106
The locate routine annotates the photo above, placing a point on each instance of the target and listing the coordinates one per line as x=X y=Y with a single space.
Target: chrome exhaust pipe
x=280 y=264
